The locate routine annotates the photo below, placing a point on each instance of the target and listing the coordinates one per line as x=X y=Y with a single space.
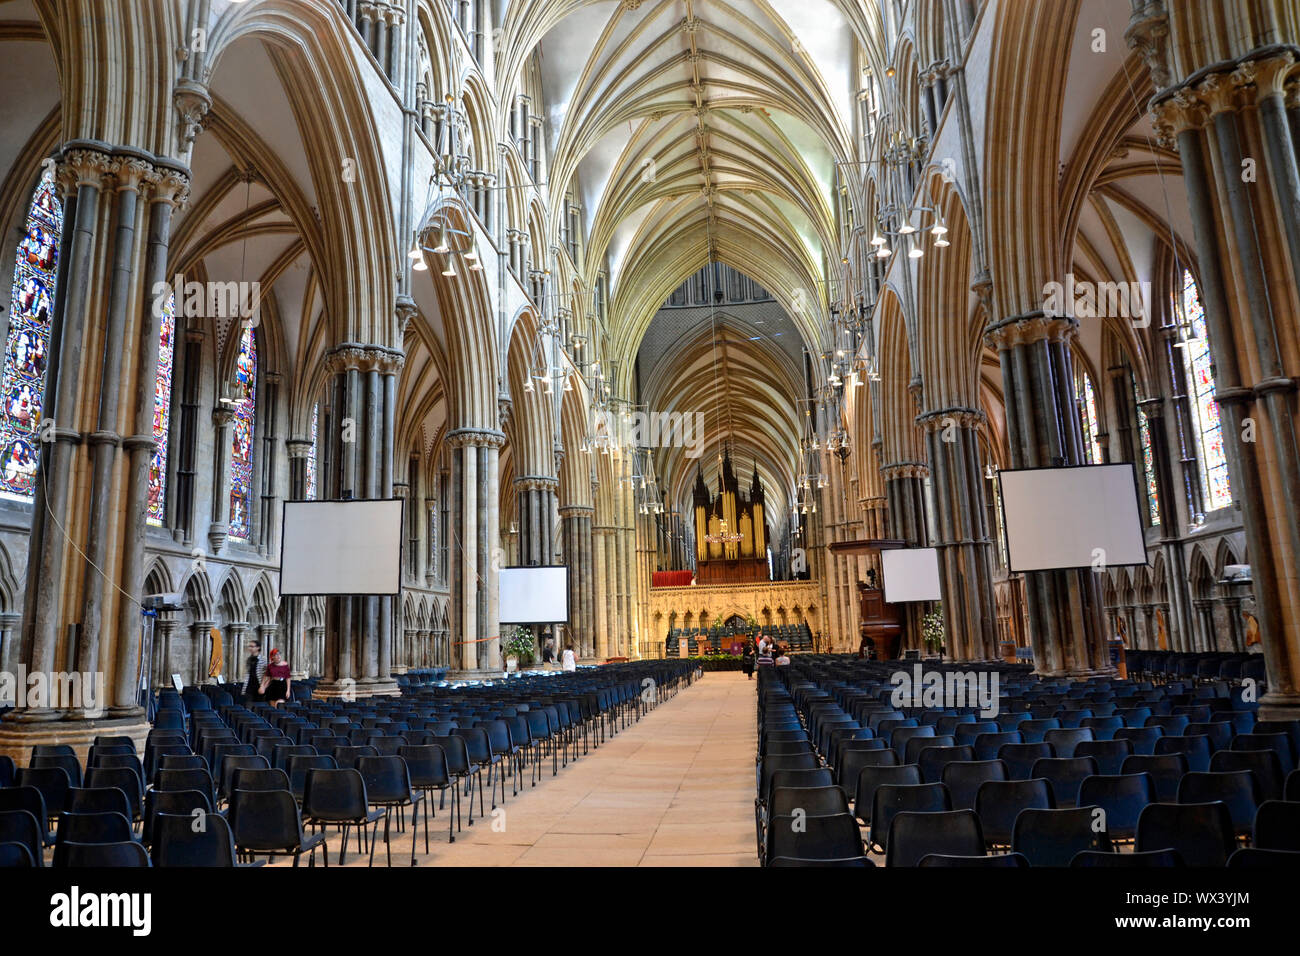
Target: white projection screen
x=1062 y=518
x=911 y=574
x=341 y=547
x=537 y=595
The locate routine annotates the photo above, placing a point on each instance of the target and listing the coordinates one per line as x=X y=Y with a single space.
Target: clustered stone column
x=962 y=534
x=603 y=590
x=536 y=496
x=1066 y=623
x=359 y=423
x=1235 y=124
x=475 y=549
x=577 y=542
x=905 y=506
x=96 y=442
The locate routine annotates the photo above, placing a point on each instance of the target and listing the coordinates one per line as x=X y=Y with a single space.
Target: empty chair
x=22 y=827
x=126 y=853
x=1020 y=758
x=193 y=804
x=1169 y=723
x=898 y=740
x=427 y=765
x=1279 y=743
x=861 y=862
x=987 y=745
x=181 y=760
x=1262 y=763
x=1277 y=826
x=119 y=761
x=1166 y=771
x=266 y=822
x=832 y=837
x=963 y=779
x=67 y=762
x=100 y=800
x=871 y=778
x=176 y=842
x=91 y=828
x=1121 y=797
x=1065 y=774
x=1054 y=837
x=1195 y=749
x=999 y=802
x=932 y=760
x=1032 y=731
x=1200 y=832
x=1064 y=741
x=1143 y=738
x=260 y=778
x=197 y=779
x=948 y=723
x=337 y=798
x=1219 y=732
x=891 y=799
x=1150 y=859
x=1289 y=727
x=919 y=745
x=852 y=762
x=1109 y=754
x=15 y=856
x=53 y=784
x=914 y=836
x=1238 y=790
x=966 y=733
x=124 y=779
x=388 y=785
x=1103 y=728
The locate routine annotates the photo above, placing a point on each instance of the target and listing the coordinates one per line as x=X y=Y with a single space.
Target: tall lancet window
x=162 y=412
x=1205 y=410
x=27 y=348
x=1087 y=398
x=1149 y=468
x=241 y=452
x=311 y=454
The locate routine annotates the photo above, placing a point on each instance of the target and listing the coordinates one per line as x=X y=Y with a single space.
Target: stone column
x=1066 y=624
x=1227 y=115
x=905 y=496
x=476 y=635
x=201 y=651
x=1181 y=631
x=962 y=537
x=577 y=554
x=218 y=528
x=164 y=636
x=601 y=592
x=362 y=397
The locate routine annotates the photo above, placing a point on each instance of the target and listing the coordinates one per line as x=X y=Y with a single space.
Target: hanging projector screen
x=538 y=595
x=341 y=547
x=1062 y=518
x=911 y=574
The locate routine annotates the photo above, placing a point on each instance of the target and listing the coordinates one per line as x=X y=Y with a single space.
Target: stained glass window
x=311 y=454
x=162 y=411
x=241 y=452
x=28 y=343
x=1149 y=468
x=1087 y=398
x=1205 y=410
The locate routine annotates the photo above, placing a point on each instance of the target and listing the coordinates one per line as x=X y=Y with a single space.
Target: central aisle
x=675 y=789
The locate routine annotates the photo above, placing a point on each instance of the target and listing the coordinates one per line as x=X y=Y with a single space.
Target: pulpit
x=880 y=623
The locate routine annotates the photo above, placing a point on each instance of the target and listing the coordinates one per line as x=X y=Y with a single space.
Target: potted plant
x=520 y=647
x=932 y=630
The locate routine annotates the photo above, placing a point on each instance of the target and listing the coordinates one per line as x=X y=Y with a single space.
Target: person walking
x=256 y=665
x=276 y=682
x=747 y=660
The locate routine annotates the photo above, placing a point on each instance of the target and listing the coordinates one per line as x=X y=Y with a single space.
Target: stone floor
x=675 y=789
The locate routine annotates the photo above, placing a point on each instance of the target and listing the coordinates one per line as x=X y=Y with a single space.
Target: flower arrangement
x=522 y=646
x=932 y=630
